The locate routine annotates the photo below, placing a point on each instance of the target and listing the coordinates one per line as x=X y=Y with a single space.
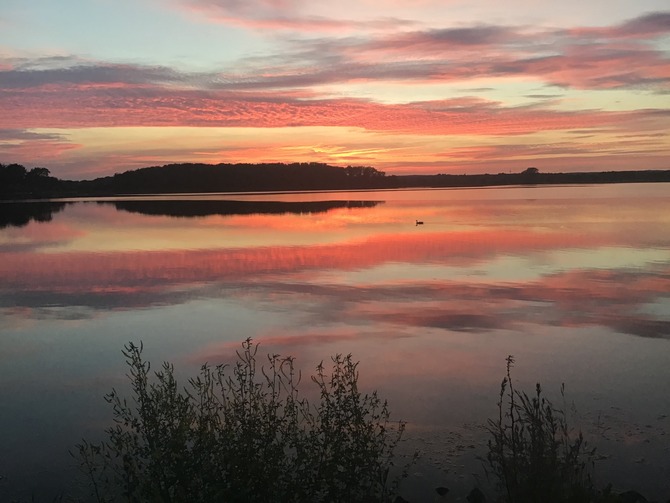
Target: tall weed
x=533 y=454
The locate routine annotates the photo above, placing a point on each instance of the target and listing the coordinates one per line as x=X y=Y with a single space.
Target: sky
x=89 y=88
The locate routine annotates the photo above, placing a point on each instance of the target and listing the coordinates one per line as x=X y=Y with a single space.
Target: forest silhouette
x=18 y=182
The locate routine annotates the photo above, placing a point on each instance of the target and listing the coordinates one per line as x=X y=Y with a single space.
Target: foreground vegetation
x=532 y=452
x=245 y=434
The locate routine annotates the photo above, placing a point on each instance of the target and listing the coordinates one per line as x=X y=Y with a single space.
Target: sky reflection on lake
x=573 y=281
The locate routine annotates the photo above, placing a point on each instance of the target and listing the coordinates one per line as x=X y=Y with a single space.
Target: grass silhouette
x=243 y=433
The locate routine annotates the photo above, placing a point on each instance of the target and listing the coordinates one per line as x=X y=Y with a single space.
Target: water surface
x=572 y=281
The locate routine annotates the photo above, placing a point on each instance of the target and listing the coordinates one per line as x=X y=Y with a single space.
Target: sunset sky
x=93 y=87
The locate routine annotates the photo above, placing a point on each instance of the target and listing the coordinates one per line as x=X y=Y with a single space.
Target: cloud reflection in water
x=430 y=311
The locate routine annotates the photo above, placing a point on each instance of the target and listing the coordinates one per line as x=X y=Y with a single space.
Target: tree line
x=16 y=177
x=18 y=182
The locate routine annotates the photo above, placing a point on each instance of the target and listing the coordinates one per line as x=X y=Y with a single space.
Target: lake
x=574 y=281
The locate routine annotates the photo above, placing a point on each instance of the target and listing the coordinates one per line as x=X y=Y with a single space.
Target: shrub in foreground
x=242 y=433
x=533 y=454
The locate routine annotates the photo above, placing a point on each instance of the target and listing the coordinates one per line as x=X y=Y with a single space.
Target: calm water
x=572 y=281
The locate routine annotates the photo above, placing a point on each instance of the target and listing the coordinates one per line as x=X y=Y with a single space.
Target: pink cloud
x=586 y=58
x=292 y=88
x=280 y=15
x=86 y=107
x=33 y=148
x=647 y=26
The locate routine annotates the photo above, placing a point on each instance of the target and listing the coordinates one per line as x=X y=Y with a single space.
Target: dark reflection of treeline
x=21 y=214
x=184 y=208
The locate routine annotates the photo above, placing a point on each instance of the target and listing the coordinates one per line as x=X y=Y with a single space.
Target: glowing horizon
x=427 y=87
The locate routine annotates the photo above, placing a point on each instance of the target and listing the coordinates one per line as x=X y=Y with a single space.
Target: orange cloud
x=19 y=144
x=305 y=84
x=86 y=108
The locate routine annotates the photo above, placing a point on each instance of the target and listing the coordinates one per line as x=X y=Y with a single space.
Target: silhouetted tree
x=363 y=172
x=39 y=173
x=12 y=174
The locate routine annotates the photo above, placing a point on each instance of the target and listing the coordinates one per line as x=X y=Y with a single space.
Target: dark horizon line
x=180 y=178
x=531 y=170
x=383 y=173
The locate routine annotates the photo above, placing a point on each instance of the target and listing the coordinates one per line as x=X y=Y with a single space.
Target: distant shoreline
x=18 y=183
x=186 y=196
